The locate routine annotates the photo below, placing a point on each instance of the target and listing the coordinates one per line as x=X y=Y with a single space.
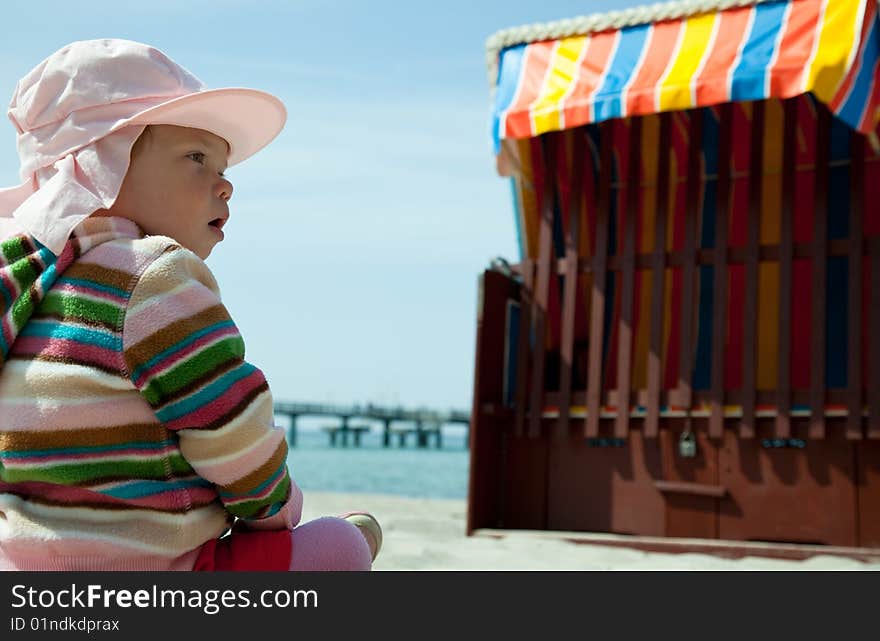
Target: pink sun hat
x=79 y=112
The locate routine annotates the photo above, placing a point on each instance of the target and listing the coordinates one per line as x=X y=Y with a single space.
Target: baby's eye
x=198 y=156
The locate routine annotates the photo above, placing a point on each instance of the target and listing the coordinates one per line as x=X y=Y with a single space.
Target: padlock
x=687 y=445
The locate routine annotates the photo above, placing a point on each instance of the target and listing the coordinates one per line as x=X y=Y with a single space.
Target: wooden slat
x=874 y=356
x=569 y=296
x=625 y=329
x=786 y=256
x=597 y=298
x=523 y=352
x=692 y=212
x=750 y=295
x=763 y=397
x=719 y=306
x=820 y=246
x=854 y=329
x=734 y=256
x=546 y=145
x=658 y=278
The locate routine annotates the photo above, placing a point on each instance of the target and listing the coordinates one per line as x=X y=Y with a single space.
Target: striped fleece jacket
x=132 y=430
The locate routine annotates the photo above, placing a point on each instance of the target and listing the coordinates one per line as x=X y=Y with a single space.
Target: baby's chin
x=203 y=253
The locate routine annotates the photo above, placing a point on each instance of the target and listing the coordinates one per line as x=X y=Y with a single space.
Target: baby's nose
x=224 y=189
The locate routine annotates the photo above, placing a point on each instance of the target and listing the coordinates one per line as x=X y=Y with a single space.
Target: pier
x=418 y=426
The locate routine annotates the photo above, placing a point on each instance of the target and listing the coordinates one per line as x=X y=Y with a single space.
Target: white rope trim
x=595 y=23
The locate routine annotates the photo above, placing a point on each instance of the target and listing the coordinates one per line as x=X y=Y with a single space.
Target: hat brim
x=247 y=119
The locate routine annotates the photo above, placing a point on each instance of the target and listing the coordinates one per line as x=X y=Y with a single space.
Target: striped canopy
x=774 y=49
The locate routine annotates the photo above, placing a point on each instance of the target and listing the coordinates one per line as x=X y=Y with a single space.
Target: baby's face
x=175 y=187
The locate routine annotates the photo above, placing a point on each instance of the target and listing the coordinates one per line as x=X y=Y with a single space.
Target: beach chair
x=687 y=351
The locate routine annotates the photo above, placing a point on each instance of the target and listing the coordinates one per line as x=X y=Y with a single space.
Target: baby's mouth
x=218 y=223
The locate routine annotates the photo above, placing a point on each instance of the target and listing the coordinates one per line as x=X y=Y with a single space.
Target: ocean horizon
x=371 y=468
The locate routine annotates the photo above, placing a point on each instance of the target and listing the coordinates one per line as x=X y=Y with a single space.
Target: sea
x=403 y=470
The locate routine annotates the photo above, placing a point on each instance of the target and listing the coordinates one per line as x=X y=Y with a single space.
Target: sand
x=430 y=535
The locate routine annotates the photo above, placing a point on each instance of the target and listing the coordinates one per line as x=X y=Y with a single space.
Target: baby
x=133 y=434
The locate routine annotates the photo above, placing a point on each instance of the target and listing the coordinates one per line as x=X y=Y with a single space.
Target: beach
x=429 y=534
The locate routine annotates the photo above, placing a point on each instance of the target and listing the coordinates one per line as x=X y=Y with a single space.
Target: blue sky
x=351 y=259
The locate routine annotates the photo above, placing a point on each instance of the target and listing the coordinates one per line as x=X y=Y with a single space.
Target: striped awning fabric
x=772 y=49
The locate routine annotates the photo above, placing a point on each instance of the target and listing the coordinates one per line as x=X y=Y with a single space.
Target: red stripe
x=640 y=97
x=578 y=107
x=69 y=350
x=786 y=74
x=517 y=122
x=61 y=494
x=208 y=414
x=866 y=124
x=713 y=82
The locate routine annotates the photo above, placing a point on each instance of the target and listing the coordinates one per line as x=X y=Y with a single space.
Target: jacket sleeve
x=186 y=357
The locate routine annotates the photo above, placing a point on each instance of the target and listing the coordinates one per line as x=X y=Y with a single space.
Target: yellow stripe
x=675 y=92
x=836 y=48
x=545 y=110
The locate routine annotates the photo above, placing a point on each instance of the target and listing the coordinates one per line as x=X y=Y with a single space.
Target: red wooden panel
x=688 y=309
x=627 y=321
x=690 y=514
x=486 y=428
x=719 y=311
x=543 y=156
x=523 y=495
x=789 y=494
x=658 y=278
x=750 y=304
x=820 y=250
x=786 y=256
x=569 y=300
x=605 y=489
x=854 y=330
x=597 y=302
x=524 y=351
x=868 y=486
x=874 y=315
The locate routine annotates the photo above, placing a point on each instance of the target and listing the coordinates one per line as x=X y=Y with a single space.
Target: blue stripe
x=85 y=450
x=140 y=489
x=607 y=103
x=67 y=332
x=98 y=287
x=853 y=109
x=703 y=363
x=710 y=150
x=749 y=77
x=509 y=65
x=839 y=181
x=7 y=296
x=189 y=340
x=206 y=395
x=517 y=215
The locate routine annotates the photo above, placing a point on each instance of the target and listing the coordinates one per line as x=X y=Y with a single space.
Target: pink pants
x=327 y=543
